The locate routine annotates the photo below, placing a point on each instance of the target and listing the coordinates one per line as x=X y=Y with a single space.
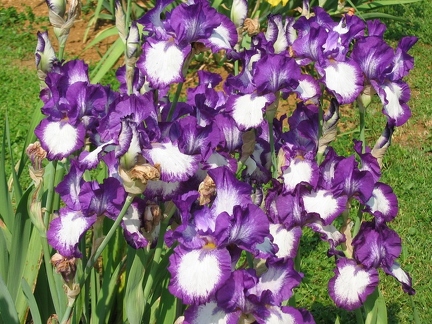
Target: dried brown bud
x=135 y=180
x=152 y=217
x=66 y=267
x=36 y=154
x=251 y=26
x=207 y=189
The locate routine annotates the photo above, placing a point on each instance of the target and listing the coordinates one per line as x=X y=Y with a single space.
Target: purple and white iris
x=212 y=156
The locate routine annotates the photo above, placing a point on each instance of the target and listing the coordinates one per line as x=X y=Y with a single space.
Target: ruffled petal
x=352 y=284
x=344 y=79
x=286 y=240
x=325 y=203
x=66 y=230
x=383 y=203
x=210 y=313
x=60 y=139
x=163 y=63
x=174 y=165
x=196 y=275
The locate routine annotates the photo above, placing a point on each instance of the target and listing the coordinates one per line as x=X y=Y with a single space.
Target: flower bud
x=66 y=267
x=251 y=26
x=135 y=179
x=206 y=189
x=44 y=55
x=329 y=128
x=57 y=6
x=382 y=144
x=152 y=217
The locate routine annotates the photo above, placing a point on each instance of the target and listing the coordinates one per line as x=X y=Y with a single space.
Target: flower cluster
x=244 y=179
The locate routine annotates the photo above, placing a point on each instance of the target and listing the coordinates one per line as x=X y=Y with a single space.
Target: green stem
x=61 y=51
x=362 y=113
x=157 y=256
x=175 y=101
x=270 y=115
x=359 y=316
x=92 y=260
x=50 y=195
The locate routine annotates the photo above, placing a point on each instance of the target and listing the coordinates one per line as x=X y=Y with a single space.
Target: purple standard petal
x=383 y=203
x=162 y=62
x=60 y=139
x=65 y=231
x=275 y=34
x=223 y=37
x=352 y=284
x=197 y=274
x=374 y=56
x=344 y=79
x=287 y=241
x=280 y=279
x=230 y=192
x=249 y=226
x=376 y=245
x=403 y=62
x=69 y=188
x=276 y=72
x=325 y=203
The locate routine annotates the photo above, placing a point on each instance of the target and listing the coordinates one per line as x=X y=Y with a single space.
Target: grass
x=407 y=164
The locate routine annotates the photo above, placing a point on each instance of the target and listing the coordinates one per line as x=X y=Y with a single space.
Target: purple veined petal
x=69 y=188
x=248 y=110
x=403 y=277
x=344 y=79
x=280 y=279
x=249 y=226
x=376 y=28
x=238 y=12
x=283 y=315
x=132 y=224
x=403 y=62
x=299 y=171
x=60 y=139
x=376 y=245
x=65 y=231
x=152 y=19
x=286 y=240
x=394 y=96
x=308 y=88
x=383 y=203
x=229 y=191
x=89 y=160
x=325 y=203
x=163 y=62
x=210 y=313
x=275 y=34
x=197 y=274
x=275 y=72
x=174 y=165
x=328 y=233
x=162 y=189
x=230 y=133
x=223 y=37
x=352 y=284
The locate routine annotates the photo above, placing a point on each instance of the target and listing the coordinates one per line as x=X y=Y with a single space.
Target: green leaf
x=111 y=31
x=107 y=61
x=6 y=210
x=134 y=303
x=21 y=232
x=169 y=305
x=36 y=318
x=16 y=185
x=108 y=293
x=380 y=3
x=7 y=309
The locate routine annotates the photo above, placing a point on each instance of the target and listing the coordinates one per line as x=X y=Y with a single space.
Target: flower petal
x=197 y=274
x=352 y=284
